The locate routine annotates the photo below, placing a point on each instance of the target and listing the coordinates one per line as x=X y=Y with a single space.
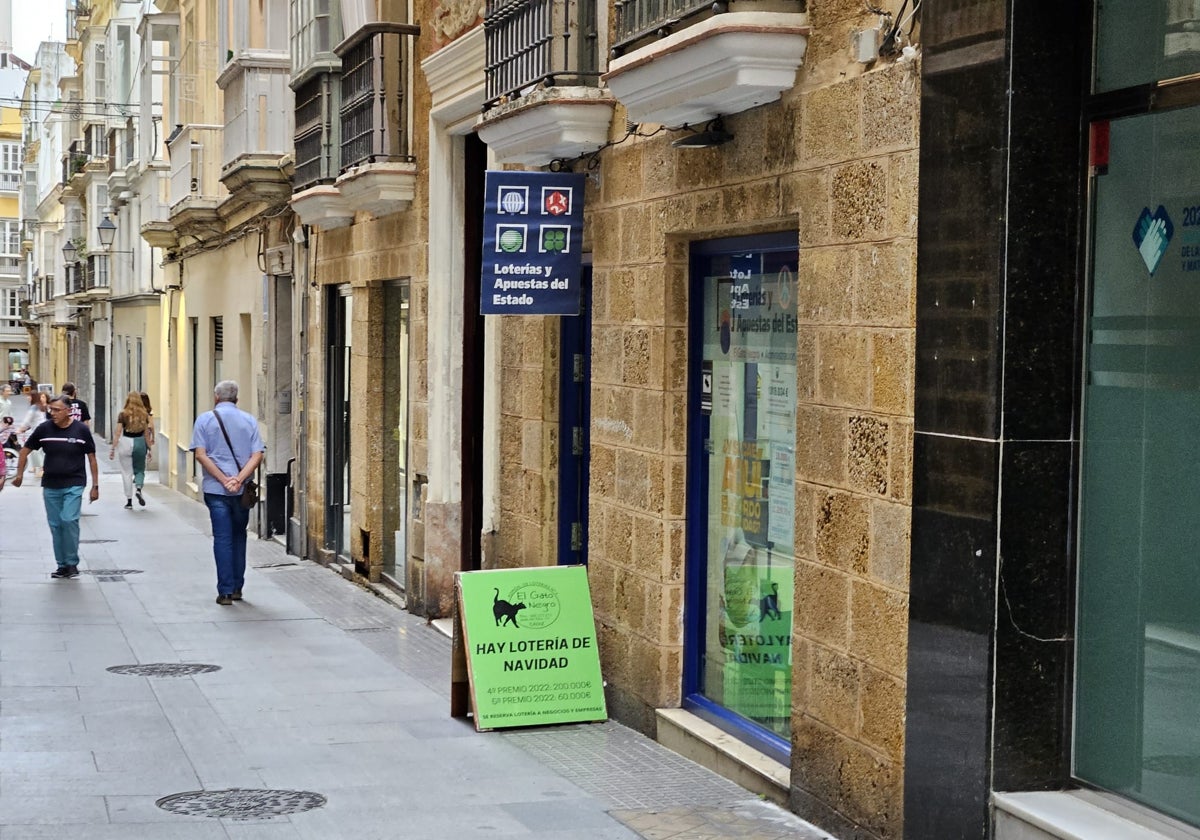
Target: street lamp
x=69 y=251
x=106 y=230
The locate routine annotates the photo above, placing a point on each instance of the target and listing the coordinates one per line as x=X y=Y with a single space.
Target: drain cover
x=164 y=669
x=241 y=804
x=111 y=572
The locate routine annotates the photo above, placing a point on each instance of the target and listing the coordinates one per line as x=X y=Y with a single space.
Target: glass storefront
x=745 y=443
x=1137 y=731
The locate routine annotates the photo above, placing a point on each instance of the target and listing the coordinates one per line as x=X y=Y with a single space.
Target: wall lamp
x=714 y=134
x=106 y=230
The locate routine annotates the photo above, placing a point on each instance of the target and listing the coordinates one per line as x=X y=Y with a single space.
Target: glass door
x=1137 y=731
x=741 y=495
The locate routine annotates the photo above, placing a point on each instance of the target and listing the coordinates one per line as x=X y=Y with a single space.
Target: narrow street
x=133 y=706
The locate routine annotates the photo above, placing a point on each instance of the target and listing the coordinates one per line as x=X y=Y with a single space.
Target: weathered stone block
x=843 y=532
x=859 y=193
x=843 y=372
x=822 y=611
x=867 y=460
x=825 y=282
x=885 y=286
x=830 y=122
x=891 y=533
x=879 y=626
x=834 y=687
x=891 y=107
x=882 y=702
x=892 y=371
x=820 y=445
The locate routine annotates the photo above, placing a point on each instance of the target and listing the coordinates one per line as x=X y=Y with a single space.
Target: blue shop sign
x=532 y=238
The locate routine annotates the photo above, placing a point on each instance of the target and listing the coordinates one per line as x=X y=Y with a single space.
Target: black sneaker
x=129 y=504
x=141 y=499
x=65 y=572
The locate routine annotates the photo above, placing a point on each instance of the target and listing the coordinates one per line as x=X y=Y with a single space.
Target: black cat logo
x=504 y=612
x=768 y=605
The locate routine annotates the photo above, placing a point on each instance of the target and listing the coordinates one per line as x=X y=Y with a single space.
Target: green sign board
x=530 y=642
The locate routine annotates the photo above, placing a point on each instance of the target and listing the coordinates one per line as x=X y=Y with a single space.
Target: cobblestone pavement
x=132 y=706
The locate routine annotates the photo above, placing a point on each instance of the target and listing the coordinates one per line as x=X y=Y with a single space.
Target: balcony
x=315 y=199
x=542 y=69
x=73 y=163
x=96 y=277
x=679 y=63
x=153 y=191
x=258 y=129
x=378 y=175
x=194 y=151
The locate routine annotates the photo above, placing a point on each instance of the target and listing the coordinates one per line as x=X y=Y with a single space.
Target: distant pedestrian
x=6 y=393
x=227 y=445
x=130 y=446
x=149 y=429
x=34 y=417
x=67 y=444
x=79 y=409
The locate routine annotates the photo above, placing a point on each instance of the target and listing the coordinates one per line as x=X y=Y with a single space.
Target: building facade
x=872 y=427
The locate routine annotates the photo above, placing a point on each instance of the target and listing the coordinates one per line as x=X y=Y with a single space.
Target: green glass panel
x=1137 y=715
x=750 y=349
x=1141 y=41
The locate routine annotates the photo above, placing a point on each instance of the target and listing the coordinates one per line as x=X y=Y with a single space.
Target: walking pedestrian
x=79 y=409
x=6 y=394
x=36 y=416
x=130 y=447
x=67 y=444
x=227 y=445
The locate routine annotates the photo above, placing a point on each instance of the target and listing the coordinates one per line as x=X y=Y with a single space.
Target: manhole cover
x=164 y=669
x=241 y=804
x=111 y=572
x=93 y=542
x=1173 y=765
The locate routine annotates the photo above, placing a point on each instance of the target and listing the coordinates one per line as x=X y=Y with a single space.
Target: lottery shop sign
x=532 y=235
x=530 y=640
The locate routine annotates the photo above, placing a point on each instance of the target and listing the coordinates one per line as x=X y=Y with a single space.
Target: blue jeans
x=229 y=521
x=62 y=514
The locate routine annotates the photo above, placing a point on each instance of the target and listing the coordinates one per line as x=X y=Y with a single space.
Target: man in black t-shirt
x=79 y=409
x=67 y=443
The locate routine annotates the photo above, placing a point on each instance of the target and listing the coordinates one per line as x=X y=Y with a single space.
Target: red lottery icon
x=557 y=203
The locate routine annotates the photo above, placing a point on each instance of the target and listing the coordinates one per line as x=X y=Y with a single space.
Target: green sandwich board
x=530 y=644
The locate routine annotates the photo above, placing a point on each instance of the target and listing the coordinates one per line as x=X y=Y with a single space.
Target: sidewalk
x=313 y=709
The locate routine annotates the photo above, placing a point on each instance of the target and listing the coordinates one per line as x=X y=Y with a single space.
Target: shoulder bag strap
x=221 y=423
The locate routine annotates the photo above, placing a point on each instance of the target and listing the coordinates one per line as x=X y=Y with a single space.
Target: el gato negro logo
x=531 y=606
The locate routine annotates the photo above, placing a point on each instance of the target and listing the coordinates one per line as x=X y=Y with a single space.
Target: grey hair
x=226 y=391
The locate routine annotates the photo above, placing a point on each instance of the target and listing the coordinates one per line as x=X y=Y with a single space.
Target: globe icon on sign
x=512 y=202
x=511 y=241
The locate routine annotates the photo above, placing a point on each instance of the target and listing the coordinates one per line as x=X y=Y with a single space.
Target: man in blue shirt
x=227 y=466
x=67 y=444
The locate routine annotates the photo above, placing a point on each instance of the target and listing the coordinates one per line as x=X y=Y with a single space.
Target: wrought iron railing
x=73 y=161
x=637 y=20
x=75 y=277
x=372 y=112
x=533 y=42
x=314 y=132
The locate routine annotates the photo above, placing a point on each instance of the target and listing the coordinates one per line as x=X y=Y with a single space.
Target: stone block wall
x=835 y=160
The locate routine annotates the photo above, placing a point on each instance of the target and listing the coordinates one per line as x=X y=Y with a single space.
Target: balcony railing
x=10 y=181
x=75 y=279
x=315 y=132
x=258 y=119
x=636 y=20
x=73 y=161
x=372 y=112
x=531 y=42
x=96 y=272
x=195 y=152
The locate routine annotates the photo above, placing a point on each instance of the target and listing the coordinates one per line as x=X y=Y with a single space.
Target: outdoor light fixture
x=69 y=251
x=713 y=134
x=106 y=230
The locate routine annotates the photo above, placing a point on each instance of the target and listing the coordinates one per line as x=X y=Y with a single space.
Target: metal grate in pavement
x=241 y=804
